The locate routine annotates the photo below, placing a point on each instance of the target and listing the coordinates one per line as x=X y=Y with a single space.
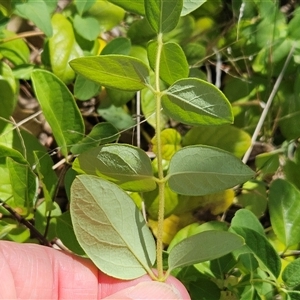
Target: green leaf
x=170 y=143
x=107 y=14
x=59 y=109
x=108 y=224
x=191 y=5
x=136 y=7
x=204 y=287
x=291 y=274
x=125 y=165
x=205 y=170
x=47 y=176
x=173 y=63
x=16 y=50
x=85 y=89
x=8 y=90
x=119 y=45
x=83 y=5
x=102 y=133
x=24 y=186
x=245 y=218
x=118 y=116
x=207 y=245
x=261 y=248
x=87 y=27
x=119 y=98
x=195 y=102
x=63 y=48
x=163 y=15
x=226 y=137
x=284 y=205
x=194 y=229
x=65 y=232
x=115 y=71
x=293 y=295
x=35 y=11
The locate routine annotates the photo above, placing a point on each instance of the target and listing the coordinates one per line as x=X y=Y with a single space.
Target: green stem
x=161 y=181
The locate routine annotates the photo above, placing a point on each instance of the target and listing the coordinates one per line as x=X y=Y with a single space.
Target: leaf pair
x=195 y=170
x=113 y=233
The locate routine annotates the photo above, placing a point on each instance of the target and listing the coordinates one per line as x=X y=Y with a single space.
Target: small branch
x=22 y=35
x=23 y=221
x=268 y=105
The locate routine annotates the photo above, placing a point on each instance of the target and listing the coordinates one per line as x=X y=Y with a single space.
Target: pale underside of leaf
x=110 y=228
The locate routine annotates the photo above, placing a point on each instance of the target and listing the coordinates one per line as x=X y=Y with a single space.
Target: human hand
x=29 y=271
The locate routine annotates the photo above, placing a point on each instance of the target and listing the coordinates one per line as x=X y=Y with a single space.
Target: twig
x=23 y=221
x=267 y=107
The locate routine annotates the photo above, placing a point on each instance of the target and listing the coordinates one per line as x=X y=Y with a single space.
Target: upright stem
x=161 y=181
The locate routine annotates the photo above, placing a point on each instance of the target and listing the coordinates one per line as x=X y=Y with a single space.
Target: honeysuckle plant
x=166 y=204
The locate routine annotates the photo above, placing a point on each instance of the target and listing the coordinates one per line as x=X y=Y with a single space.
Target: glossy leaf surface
x=108 y=224
x=284 y=206
x=207 y=245
x=115 y=71
x=63 y=48
x=125 y=165
x=201 y=170
x=195 y=102
x=59 y=108
x=163 y=15
x=173 y=63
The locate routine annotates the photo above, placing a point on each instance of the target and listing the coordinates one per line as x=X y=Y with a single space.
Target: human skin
x=29 y=271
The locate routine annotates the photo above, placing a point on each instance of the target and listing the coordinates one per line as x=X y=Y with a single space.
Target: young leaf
x=115 y=71
x=36 y=11
x=170 y=143
x=205 y=170
x=284 y=206
x=207 y=245
x=261 y=248
x=196 y=102
x=125 y=165
x=173 y=63
x=62 y=48
x=59 y=108
x=163 y=15
x=191 y=5
x=108 y=224
x=102 y=133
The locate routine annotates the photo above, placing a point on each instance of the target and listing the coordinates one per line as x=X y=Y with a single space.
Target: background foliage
x=51 y=115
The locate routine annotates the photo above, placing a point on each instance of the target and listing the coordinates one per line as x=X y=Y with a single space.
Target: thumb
x=148 y=290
